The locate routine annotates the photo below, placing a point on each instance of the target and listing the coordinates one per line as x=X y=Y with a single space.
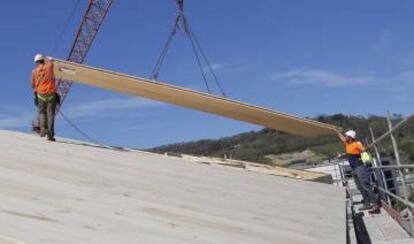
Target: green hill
x=273 y=147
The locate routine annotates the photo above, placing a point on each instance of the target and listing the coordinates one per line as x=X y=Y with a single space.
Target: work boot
x=43 y=133
x=375 y=210
x=51 y=138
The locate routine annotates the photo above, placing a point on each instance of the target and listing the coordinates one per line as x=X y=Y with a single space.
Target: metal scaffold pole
x=379 y=163
x=400 y=171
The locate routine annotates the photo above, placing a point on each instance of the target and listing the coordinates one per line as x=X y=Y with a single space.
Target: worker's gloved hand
x=341 y=156
x=49 y=58
x=35 y=99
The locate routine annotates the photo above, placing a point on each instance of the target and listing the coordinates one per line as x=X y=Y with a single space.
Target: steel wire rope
x=65 y=27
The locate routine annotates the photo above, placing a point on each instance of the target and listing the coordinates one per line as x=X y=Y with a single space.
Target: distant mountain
x=273 y=147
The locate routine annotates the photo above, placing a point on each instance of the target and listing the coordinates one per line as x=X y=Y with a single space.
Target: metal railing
x=396 y=171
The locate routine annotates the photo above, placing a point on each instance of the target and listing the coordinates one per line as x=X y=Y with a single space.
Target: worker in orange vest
x=360 y=172
x=44 y=87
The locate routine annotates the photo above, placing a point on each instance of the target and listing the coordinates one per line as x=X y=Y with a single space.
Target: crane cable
x=196 y=55
x=56 y=46
x=160 y=61
x=65 y=27
x=195 y=40
x=86 y=136
x=196 y=47
x=199 y=53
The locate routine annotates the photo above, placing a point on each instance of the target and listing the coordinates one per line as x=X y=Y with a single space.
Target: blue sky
x=301 y=57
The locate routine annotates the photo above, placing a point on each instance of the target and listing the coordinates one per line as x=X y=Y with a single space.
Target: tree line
x=255 y=145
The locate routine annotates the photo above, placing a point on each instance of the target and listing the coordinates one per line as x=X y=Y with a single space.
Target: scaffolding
x=394 y=180
x=398 y=172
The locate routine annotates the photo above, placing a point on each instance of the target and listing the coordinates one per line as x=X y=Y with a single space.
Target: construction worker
x=361 y=174
x=44 y=87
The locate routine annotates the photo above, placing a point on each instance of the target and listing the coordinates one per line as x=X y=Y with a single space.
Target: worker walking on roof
x=44 y=87
x=362 y=176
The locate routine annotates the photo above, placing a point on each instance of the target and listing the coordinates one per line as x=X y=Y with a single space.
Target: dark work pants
x=47 y=117
x=362 y=177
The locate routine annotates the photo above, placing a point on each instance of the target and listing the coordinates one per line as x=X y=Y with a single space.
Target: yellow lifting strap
x=208 y=103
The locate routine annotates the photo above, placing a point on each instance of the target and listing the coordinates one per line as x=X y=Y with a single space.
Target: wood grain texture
x=103 y=196
x=212 y=104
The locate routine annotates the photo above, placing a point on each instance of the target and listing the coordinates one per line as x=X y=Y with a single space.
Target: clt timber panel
x=212 y=104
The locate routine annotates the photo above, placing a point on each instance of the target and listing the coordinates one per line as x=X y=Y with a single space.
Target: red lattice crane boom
x=91 y=22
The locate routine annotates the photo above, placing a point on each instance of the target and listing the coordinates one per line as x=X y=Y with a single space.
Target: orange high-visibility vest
x=43 y=79
x=354 y=148
x=353 y=151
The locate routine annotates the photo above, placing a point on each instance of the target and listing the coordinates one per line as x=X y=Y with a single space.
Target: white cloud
x=147 y=126
x=224 y=68
x=15 y=117
x=104 y=106
x=240 y=69
x=16 y=121
x=214 y=66
x=18 y=117
x=317 y=76
x=409 y=58
x=400 y=87
x=383 y=40
x=406 y=76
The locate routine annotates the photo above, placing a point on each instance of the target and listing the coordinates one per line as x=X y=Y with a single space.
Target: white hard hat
x=351 y=134
x=38 y=57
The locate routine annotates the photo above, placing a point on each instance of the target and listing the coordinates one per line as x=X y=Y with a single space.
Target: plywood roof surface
x=74 y=192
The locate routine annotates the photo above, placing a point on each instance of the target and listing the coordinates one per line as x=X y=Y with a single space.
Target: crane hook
x=180 y=4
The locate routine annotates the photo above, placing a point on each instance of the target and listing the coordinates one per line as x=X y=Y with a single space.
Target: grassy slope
x=261 y=146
